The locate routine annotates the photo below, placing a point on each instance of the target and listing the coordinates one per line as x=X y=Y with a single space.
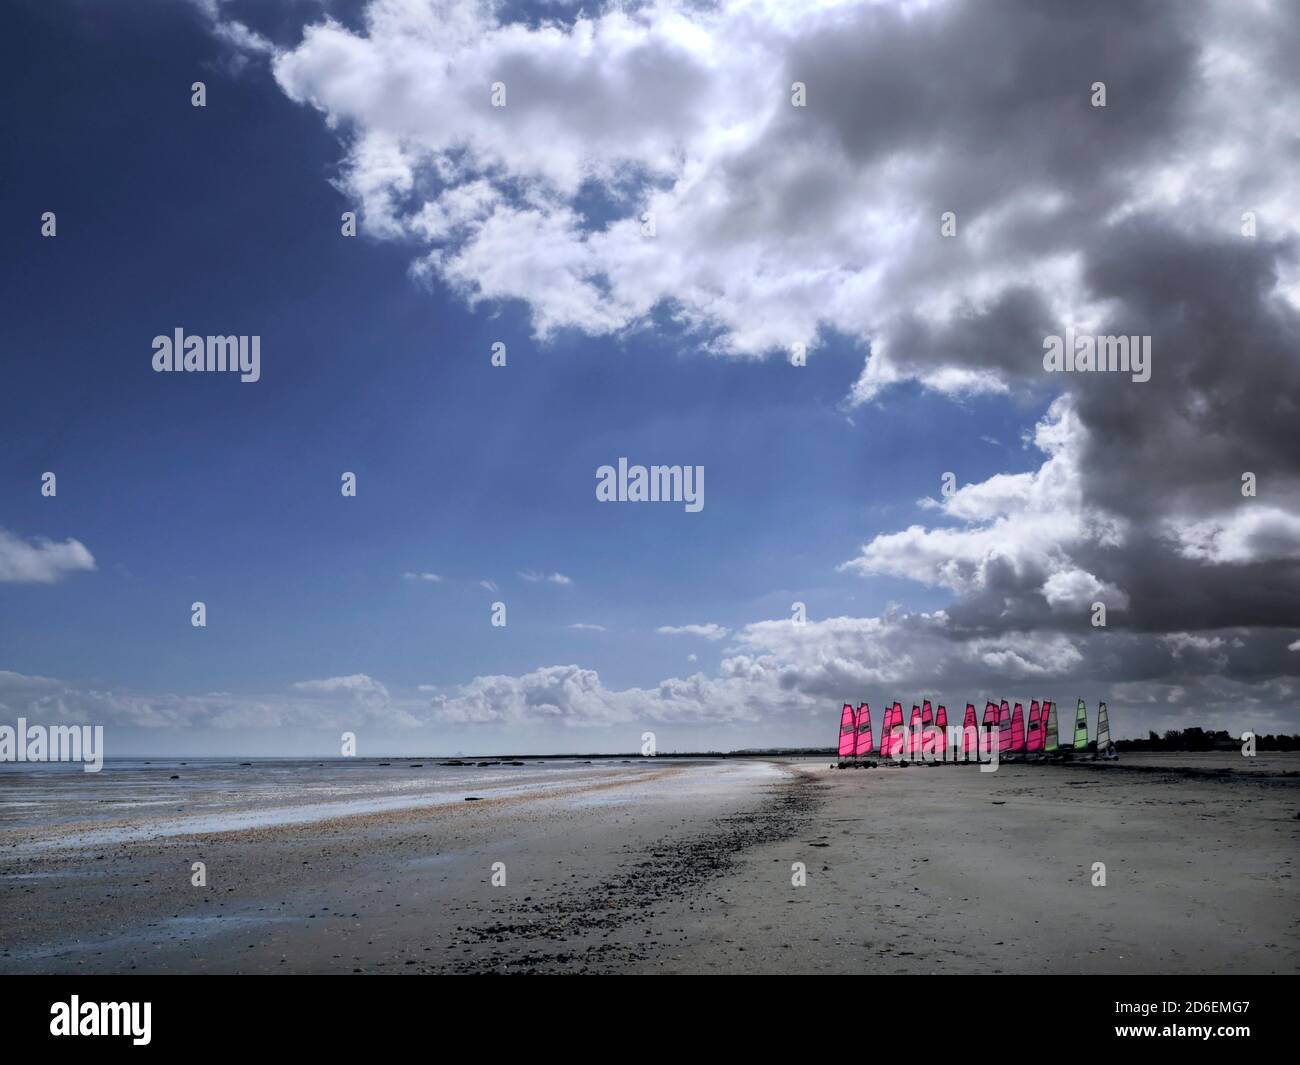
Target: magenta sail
x=969 y=732
x=941 y=727
x=848 y=732
x=913 y=745
x=1004 y=730
x=864 y=731
x=990 y=724
x=1035 y=743
x=928 y=746
x=897 y=731
x=1018 y=730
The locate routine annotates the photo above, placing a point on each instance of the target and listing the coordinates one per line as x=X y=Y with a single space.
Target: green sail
x=1052 y=744
x=1081 y=728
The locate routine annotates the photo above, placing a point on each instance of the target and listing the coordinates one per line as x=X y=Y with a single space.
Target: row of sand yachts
x=1001 y=736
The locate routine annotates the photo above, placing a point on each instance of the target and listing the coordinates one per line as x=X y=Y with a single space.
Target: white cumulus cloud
x=708 y=632
x=1022 y=527
x=41 y=561
x=1255 y=532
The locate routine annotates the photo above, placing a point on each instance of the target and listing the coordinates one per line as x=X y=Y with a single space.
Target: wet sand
x=687 y=867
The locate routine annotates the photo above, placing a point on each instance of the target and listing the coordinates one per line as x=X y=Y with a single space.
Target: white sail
x=1105 y=749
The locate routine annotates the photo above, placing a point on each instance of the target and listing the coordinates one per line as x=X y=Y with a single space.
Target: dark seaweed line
x=670 y=870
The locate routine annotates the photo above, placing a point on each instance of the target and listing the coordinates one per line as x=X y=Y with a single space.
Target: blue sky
x=225 y=220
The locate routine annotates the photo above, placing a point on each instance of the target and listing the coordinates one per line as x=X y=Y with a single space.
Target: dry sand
x=687 y=867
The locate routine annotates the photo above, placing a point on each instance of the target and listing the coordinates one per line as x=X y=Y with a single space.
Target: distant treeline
x=1198 y=739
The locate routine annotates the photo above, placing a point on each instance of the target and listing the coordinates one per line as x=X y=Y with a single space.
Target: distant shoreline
x=1262 y=743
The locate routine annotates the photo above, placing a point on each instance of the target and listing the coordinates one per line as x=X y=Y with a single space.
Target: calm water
x=59 y=804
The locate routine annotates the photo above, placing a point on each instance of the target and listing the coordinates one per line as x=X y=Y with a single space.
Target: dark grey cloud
x=1000 y=92
x=999 y=89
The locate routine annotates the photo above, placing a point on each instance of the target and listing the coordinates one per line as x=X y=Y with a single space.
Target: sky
x=913 y=195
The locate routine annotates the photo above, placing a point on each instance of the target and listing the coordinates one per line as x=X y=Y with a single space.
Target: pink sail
x=969 y=732
x=848 y=732
x=926 y=744
x=1004 y=730
x=1018 y=730
x=897 y=731
x=990 y=724
x=913 y=743
x=1035 y=728
x=941 y=725
x=864 y=731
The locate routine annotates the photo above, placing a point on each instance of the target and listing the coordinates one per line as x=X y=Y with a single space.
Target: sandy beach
x=654 y=866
